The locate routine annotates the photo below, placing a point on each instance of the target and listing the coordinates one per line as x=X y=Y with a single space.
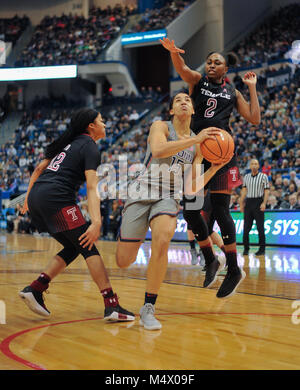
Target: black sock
x=107 y=293
x=208 y=254
x=150 y=298
x=231 y=261
x=192 y=244
x=42 y=282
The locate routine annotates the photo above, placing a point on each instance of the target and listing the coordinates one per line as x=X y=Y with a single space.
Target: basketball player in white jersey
x=172 y=145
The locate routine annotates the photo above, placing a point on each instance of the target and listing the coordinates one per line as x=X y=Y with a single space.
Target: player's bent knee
x=197 y=223
x=68 y=255
x=123 y=261
x=163 y=239
x=126 y=256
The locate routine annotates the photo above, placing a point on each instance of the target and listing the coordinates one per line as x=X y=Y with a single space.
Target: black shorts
x=227 y=178
x=52 y=215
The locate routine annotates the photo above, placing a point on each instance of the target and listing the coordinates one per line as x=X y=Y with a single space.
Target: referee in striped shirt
x=256 y=191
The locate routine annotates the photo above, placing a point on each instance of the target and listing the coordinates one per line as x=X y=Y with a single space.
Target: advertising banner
x=281 y=228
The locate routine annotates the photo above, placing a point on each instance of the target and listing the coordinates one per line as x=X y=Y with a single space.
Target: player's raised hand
x=250 y=78
x=170 y=45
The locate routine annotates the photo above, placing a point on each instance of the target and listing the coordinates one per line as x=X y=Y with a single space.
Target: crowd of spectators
x=73 y=39
x=159 y=18
x=272 y=39
x=12 y=28
x=147 y=95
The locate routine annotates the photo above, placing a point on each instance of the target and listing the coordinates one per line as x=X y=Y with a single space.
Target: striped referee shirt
x=256 y=185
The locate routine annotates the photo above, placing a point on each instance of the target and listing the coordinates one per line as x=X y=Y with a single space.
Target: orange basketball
x=219 y=149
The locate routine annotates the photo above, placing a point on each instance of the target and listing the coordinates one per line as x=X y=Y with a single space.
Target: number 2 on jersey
x=56 y=161
x=212 y=104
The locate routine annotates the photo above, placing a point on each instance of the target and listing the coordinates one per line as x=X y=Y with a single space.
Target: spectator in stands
x=291 y=204
x=234 y=202
x=133 y=117
x=272 y=203
x=115 y=220
x=266 y=168
x=292 y=189
x=294 y=178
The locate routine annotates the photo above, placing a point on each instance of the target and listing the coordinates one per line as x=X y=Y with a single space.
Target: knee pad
x=222 y=215
x=196 y=223
x=68 y=254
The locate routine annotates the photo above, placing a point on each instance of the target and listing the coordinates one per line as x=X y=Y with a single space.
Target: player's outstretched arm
x=188 y=75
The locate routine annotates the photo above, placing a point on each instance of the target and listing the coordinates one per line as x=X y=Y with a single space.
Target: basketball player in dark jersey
x=69 y=161
x=214 y=102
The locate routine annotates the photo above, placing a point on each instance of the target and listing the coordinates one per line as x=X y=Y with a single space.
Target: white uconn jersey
x=162 y=178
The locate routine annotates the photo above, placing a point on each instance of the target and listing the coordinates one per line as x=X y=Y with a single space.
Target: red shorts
x=225 y=181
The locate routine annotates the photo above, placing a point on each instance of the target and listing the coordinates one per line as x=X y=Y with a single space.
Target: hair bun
x=231 y=59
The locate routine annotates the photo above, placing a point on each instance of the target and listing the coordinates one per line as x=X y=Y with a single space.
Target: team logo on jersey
x=206 y=92
x=72 y=212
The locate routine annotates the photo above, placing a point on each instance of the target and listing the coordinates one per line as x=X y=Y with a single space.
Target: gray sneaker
x=202 y=259
x=147 y=317
x=194 y=257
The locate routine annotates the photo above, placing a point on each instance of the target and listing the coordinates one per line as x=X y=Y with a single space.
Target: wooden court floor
x=258 y=328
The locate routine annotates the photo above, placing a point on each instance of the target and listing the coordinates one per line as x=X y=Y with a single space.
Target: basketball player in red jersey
x=214 y=101
x=69 y=161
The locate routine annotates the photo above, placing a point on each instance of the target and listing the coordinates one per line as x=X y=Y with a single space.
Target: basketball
x=219 y=149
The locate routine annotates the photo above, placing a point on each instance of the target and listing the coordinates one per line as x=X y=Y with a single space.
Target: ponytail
x=231 y=59
x=78 y=125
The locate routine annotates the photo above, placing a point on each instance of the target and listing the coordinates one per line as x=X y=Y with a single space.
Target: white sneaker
x=35 y=301
x=147 y=318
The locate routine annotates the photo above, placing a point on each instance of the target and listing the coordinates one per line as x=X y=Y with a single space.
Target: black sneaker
x=116 y=312
x=211 y=273
x=260 y=252
x=231 y=283
x=35 y=301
